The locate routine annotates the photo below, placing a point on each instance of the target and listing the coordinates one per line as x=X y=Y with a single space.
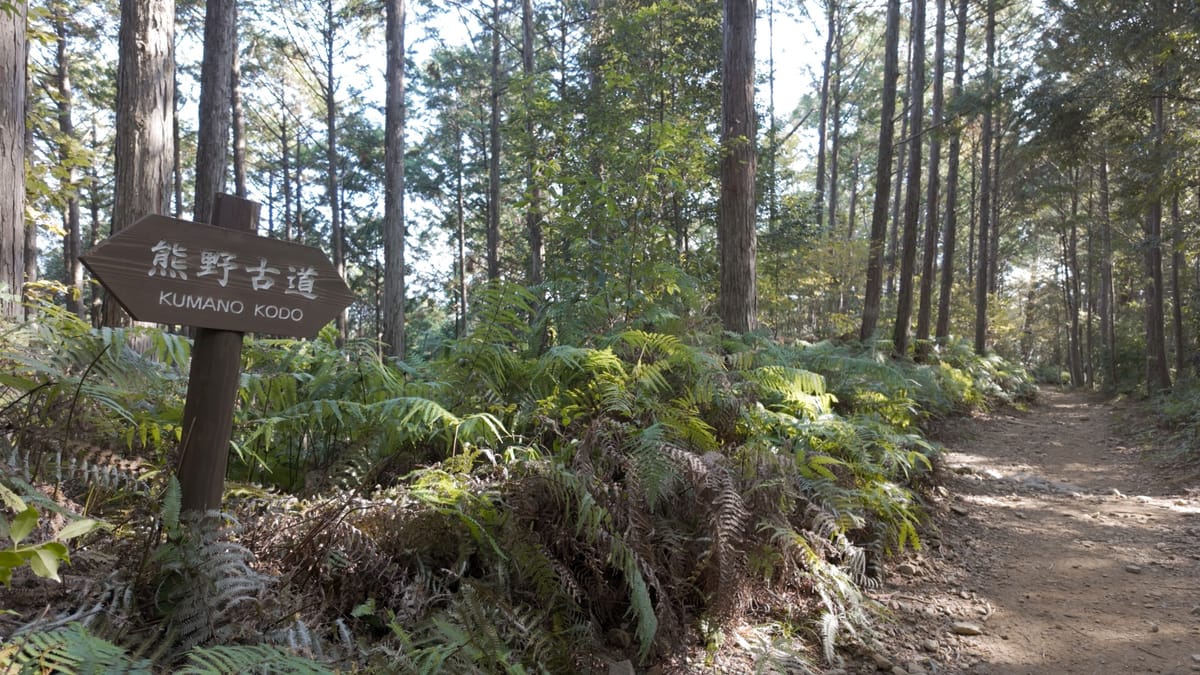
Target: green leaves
x=43 y=558
x=22 y=525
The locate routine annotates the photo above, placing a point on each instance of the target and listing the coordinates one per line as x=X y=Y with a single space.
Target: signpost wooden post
x=212 y=389
x=225 y=281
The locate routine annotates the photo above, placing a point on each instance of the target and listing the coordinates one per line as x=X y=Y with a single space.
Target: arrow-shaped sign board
x=166 y=270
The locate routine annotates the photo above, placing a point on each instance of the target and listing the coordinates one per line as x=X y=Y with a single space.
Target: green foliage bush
x=1176 y=412
x=1051 y=374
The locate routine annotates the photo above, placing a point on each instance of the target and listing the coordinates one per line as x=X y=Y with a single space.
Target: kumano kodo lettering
x=208 y=303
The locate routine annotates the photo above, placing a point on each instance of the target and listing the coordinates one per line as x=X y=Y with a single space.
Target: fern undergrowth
x=509 y=505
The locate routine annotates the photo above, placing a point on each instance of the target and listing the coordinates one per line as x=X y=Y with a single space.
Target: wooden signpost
x=165 y=270
x=224 y=280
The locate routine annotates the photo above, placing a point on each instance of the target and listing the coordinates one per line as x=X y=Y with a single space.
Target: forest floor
x=1057 y=545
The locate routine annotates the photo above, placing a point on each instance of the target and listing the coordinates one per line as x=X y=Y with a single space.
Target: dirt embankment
x=1059 y=549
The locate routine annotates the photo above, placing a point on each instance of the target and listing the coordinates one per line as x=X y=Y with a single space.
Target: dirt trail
x=1058 y=543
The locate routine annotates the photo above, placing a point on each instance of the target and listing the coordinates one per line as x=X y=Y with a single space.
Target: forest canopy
x=1033 y=191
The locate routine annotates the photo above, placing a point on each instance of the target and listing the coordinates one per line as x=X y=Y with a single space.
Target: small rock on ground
x=621 y=668
x=966 y=628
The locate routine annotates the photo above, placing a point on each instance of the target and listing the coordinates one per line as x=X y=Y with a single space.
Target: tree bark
x=176 y=153
x=533 y=213
x=144 y=146
x=1072 y=287
x=332 y=173
x=460 y=221
x=883 y=173
x=772 y=187
x=912 y=193
x=1177 y=290
x=238 y=119
x=1089 y=345
x=1107 y=294
x=985 y=182
x=950 y=225
x=12 y=160
x=835 y=140
x=852 y=213
x=216 y=105
x=1158 y=379
x=393 y=217
x=933 y=186
x=285 y=170
x=72 y=236
x=298 y=223
x=94 y=306
x=736 y=217
x=493 y=200
x=893 y=252
x=823 y=118
x=30 y=246
x=994 y=237
x=973 y=208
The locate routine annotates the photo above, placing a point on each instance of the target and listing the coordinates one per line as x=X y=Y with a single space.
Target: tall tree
x=883 y=173
x=824 y=109
x=144 y=150
x=1108 y=337
x=736 y=220
x=983 y=267
x=12 y=157
x=1072 y=286
x=238 y=122
x=30 y=246
x=328 y=83
x=533 y=192
x=912 y=193
x=933 y=183
x=901 y=158
x=493 y=196
x=393 y=216
x=216 y=104
x=771 y=189
x=1158 y=376
x=836 y=97
x=460 y=237
x=950 y=225
x=313 y=37
x=65 y=101
x=1178 y=243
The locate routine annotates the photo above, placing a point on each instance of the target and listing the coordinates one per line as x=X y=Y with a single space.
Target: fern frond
x=717 y=494
x=845 y=607
x=503 y=311
x=69 y=650
x=594 y=523
x=567 y=366
x=41 y=455
x=206 y=577
x=237 y=659
x=799 y=391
